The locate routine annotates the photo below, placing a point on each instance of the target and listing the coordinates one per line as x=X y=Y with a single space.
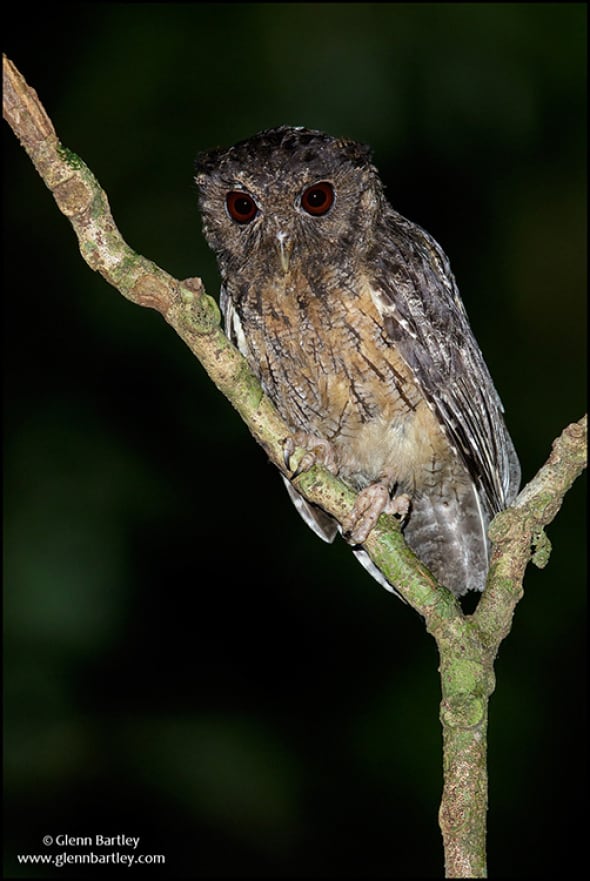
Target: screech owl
x=350 y=316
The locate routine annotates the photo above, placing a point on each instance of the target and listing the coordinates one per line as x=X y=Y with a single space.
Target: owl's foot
x=399 y=506
x=319 y=452
x=371 y=502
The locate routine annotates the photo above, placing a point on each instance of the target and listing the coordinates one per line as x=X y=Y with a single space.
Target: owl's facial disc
x=316 y=201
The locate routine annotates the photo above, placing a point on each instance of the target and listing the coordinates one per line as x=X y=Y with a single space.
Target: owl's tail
x=448 y=531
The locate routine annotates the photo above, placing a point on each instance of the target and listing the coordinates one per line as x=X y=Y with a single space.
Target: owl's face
x=287 y=195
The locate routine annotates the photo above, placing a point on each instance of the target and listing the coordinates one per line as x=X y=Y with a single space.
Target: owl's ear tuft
x=358 y=154
x=208 y=161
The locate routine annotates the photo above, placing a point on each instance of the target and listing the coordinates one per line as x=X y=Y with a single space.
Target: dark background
x=184 y=660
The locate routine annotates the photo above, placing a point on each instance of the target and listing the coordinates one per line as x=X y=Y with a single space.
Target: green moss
x=462 y=676
x=72 y=159
x=542 y=547
x=462 y=711
x=201 y=314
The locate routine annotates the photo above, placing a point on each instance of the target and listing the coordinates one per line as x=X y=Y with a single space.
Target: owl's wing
x=321 y=523
x=425 y=319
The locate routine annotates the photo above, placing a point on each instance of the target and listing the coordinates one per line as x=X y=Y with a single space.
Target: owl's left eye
x=318 y=199
x=241 y=207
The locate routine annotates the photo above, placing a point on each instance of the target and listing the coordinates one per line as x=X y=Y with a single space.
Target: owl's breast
x=322 y=356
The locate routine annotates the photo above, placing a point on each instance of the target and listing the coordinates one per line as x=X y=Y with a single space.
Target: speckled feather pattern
x=363 y=341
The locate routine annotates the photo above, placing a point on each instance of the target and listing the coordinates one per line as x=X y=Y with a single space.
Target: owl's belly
x=409 y=449
x=331 y=373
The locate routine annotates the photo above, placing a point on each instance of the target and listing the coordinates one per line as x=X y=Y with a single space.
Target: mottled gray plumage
x=350 y=316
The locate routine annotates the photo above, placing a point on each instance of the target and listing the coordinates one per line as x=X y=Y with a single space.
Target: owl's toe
x=318 y=452
x=288 y=450
x=399 y=506
x=370 y=503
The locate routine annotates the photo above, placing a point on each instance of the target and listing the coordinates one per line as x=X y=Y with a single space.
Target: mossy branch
x=467 y=644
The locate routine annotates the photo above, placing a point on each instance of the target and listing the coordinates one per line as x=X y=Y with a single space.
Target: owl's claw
x=399 y=506
x=288 y=450
x=318 y=452
x=371 y=502
x=307 y=462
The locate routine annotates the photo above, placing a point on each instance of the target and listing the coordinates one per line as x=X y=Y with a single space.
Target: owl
x=349 y=315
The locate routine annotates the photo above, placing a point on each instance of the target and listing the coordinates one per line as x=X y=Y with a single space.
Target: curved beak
x=284 y=248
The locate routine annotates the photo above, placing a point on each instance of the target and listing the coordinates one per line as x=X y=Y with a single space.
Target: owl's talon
x=399 y=506
x=371 y=502
x=318 y=452
x=288 y=450
x=307 y=462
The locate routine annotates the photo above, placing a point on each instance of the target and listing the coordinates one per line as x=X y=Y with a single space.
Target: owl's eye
x=318 y=199
x=241 y=207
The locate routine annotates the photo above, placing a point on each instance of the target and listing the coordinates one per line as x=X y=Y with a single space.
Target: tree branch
x=467 y=644
x=195 y=318
x=518 y=533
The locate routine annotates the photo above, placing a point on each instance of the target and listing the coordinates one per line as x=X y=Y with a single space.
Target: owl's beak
x=284 y=247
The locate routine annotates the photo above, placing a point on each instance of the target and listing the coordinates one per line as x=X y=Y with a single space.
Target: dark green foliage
x=251 y=704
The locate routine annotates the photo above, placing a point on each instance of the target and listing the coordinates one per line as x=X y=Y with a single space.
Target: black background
x=184 y=660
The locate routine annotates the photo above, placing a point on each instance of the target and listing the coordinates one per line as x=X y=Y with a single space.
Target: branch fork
x=467 y=644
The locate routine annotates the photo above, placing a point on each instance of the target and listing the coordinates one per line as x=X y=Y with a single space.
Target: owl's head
x=288 y=194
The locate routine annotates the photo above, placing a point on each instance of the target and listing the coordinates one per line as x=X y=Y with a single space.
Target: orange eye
x=318 y=199
x=241 y=207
